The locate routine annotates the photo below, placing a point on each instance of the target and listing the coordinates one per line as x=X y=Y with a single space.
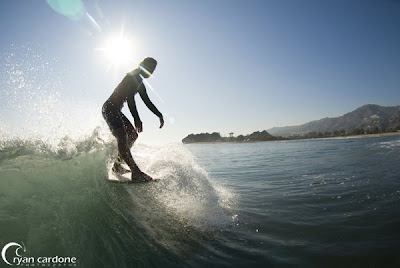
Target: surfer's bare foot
x=118 y=168
x=140 y=176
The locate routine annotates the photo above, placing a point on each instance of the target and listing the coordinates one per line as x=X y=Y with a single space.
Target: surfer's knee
x=132 y=138
x=121 y=136
x=131 y=133
x=122 y=143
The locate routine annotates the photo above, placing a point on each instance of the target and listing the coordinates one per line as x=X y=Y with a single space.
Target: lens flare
x=148 y=85
x=73 y=9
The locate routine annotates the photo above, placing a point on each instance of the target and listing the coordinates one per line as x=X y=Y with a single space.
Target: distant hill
x=368 y=118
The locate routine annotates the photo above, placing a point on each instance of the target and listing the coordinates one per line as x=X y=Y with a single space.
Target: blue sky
x=224 y=66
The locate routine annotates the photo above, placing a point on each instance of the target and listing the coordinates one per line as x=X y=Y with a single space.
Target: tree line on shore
x=265 y=136
x=216 y=137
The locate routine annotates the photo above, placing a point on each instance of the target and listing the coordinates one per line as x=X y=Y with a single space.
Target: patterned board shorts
x=114 y=119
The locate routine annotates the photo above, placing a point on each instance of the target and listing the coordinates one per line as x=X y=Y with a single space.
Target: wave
x=390 y=145
x=57 y=201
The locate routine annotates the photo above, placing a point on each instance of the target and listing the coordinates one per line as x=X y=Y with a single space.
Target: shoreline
x=387 y=134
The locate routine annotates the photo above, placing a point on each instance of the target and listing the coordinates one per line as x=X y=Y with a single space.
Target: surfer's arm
x=150 y=105
x=135 y=114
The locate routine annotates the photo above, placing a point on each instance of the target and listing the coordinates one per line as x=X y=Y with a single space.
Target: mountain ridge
x=367 y=118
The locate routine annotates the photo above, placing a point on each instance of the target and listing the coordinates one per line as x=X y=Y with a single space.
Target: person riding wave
x=120 y=126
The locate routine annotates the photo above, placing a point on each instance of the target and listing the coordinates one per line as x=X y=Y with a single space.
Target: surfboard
x=123 y=177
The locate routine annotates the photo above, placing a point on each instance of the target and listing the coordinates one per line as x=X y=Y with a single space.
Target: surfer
x=120 y=126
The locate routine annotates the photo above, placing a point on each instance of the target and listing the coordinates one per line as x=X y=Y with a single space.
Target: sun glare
x=118 y=51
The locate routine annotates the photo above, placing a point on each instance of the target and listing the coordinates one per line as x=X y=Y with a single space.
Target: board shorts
x=115 y=119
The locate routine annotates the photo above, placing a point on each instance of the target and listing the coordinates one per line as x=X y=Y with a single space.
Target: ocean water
x=310 y=203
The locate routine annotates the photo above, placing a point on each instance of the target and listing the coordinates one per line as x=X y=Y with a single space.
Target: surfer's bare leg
x=131 y=133
x=125 y=154
x=124 y=150
x=131 y=136
x=117 y=167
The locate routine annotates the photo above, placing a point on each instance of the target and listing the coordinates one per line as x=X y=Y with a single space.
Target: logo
x=3 y=252
x=15 y=257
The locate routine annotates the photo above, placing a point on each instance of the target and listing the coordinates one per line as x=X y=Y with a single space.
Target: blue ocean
x=308 y=203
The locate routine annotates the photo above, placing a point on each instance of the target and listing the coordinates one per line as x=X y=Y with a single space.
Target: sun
x=118 y=51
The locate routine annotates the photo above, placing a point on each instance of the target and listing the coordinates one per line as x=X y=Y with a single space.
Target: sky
x=223 y=66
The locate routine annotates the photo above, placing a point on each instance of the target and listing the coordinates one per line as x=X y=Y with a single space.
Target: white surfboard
x=123 y=177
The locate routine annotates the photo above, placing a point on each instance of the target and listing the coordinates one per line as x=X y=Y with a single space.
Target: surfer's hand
x=161 y=121
x=139 y=126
